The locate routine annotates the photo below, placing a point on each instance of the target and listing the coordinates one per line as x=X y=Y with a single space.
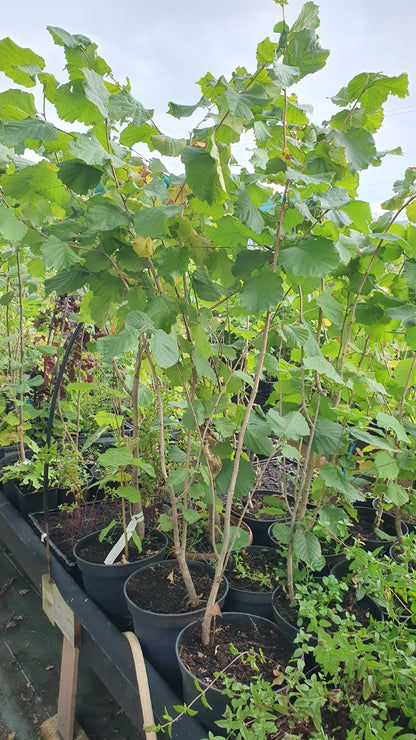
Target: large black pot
x=259 y=525
x=216 y=700
x=157 y=631
x=105 y=583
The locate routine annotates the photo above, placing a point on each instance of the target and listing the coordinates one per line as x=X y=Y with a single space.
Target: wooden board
x=58 y=611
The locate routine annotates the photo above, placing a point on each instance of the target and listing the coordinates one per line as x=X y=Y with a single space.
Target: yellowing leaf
x=143 y=246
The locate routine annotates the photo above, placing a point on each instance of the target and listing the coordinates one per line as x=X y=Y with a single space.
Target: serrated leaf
x=13 y=58
x=201 y=173
x=303 y=51
x=57 y=254
x=396 y=494
x=334 y=477
x=96 y=91
x=78 y=176
x=359 y=147
x=310 y=257
x=130 y=493
x=103 y=215
x=115 y=345
x=285 y=76
x=16 y=133
x=261 y=291
x=153 y=221
x=138 y=321
x=167 y=145
x=164 y=348
x=292 y=426
x=16 y=105
x=248 y=213
x=184 y=111
x=116 y=457
x=306 y=547
x=282 y=533
x=11 y=228
x=386 y=465
x=323 y=367
x=257 y=436
x=246 y=478
x=387 y=421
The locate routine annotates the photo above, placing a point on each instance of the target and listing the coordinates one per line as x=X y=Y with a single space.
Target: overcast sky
x=164 y=47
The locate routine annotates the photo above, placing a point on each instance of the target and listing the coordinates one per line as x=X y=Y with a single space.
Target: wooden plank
x=67 y=690
x=58 y=611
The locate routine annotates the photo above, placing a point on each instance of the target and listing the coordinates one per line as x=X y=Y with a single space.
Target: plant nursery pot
x=105 y=583
x=249 y=629
x=260 y=523
x=364 y=533
x=156 y=629
x=250 y=596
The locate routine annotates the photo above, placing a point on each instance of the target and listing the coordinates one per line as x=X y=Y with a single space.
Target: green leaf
x=386 y=465
x=11 y=228
x=246 y=478
x=333 y=519
x=261 y=291
x=282 y=533
x=323 y=367
x=303 y=51
x=330 y=307
x=184 y=111
x=292 y=426
x=116 y=457
x=88 y=148
x=122 y=106
x=153 y=221
x=201 y=173
x=334 y=477
x=57 y=254
x=265 y=51
x=204 y=287
x=308 y=18
x=14 y=59
x=306 y=547
x=131 y=494
x=396 y=494
x=115 y=345
x=248 y=213
x=156 y=188
x=39 y=180
x=96 y=91
x=72 y=105
x=78 y=176
x=64 y=38
x=16 y=133
x=138 y=321
x=6 y=298
x=285 y=76
x=257 y=437
x=387 y=421
x=328 y=438
x=312 y=256
x=167 y=145
x=162 y=311
x=359 y=147
x=165 y=349
x=102 y=215
x=16 y=104
x=66 y=281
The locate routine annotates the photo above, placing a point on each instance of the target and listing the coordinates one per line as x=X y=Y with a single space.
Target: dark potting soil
x=95 y=551
x=68 y=525
x=336 y=722
x=205 y=661
x=254 y=569
x=349 y=604
x=363 y=530
x=163 y=590
x=275 y=474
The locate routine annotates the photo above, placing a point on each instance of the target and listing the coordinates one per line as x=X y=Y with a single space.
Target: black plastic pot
x=157 y=632
x=105 y=583
x=249 y=600
x=367 y=515
x=216 y=700
x=260 y=525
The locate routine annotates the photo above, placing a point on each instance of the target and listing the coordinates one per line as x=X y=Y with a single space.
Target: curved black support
x=52 y=407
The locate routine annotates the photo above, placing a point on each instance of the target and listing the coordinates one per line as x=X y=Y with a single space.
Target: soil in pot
x=246 y=634
x=199 y=544
x=105 y=583
x=159 y=604
x=363 y=529
x=252 y=575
